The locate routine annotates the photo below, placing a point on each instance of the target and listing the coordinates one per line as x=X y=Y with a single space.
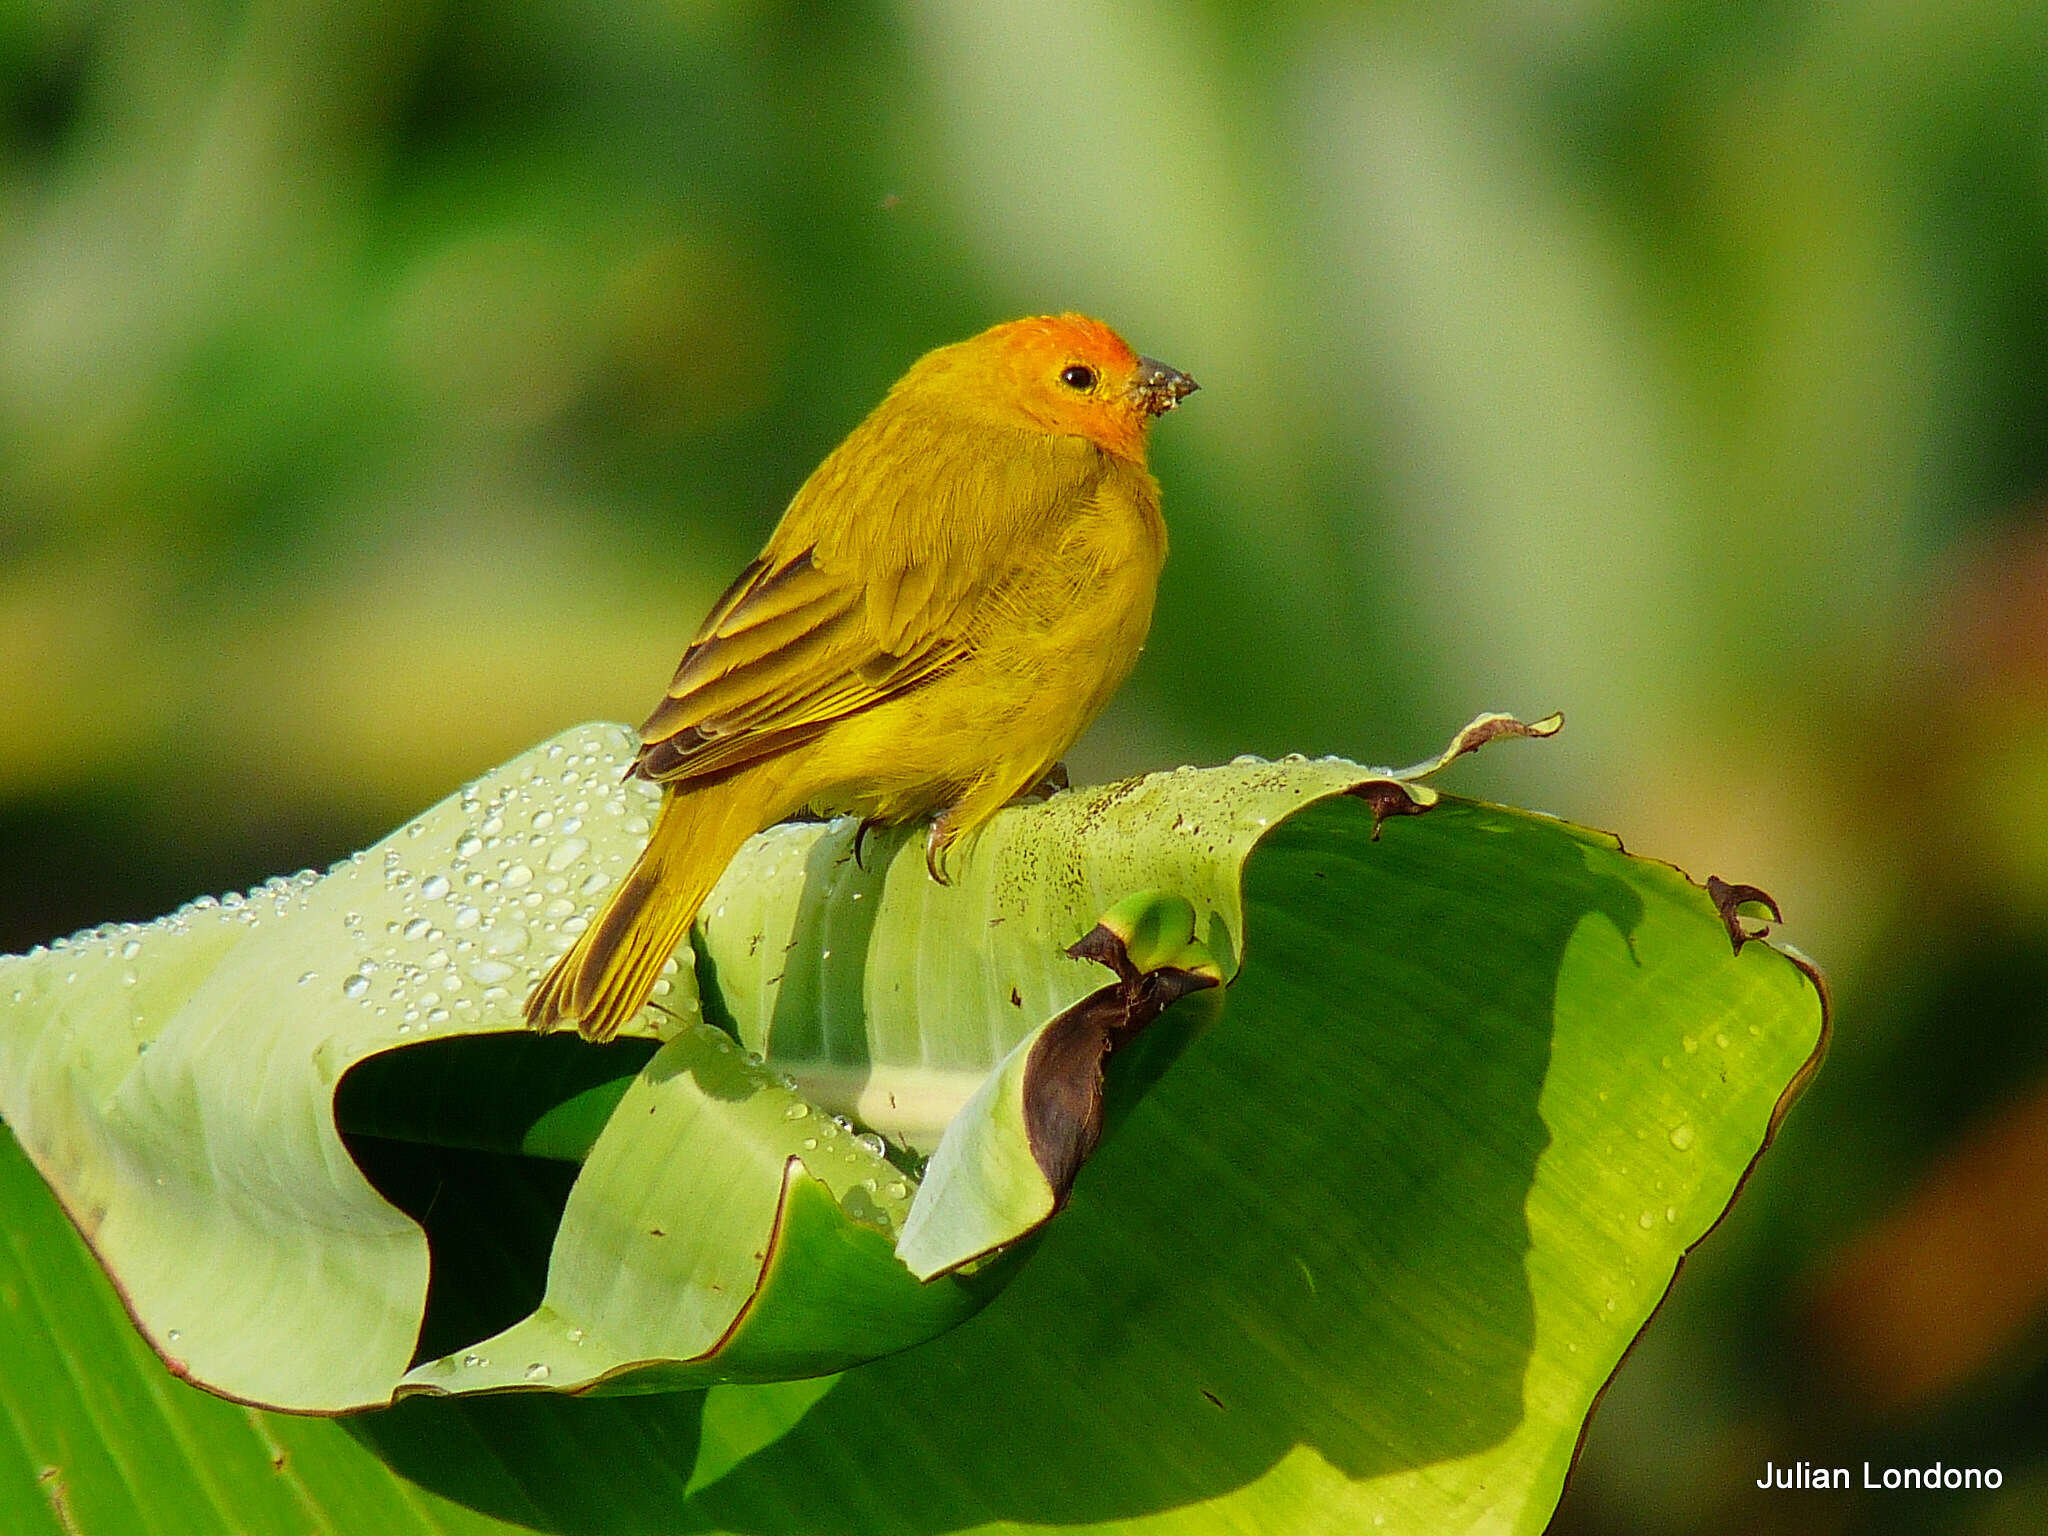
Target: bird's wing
x=780 y=658
x=859 y=597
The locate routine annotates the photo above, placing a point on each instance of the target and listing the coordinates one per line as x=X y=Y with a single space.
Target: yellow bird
x=949 y=600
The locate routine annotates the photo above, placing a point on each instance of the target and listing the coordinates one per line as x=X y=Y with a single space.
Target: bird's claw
x=860 y=837
x=936 y=843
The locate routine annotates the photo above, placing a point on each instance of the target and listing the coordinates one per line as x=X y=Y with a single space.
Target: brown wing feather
x=793 y=653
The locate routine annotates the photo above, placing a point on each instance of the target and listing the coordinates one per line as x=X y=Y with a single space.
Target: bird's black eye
x=1074 y=376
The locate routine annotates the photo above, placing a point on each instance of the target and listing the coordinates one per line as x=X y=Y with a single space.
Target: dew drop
x=506 y=939
x=1671 y=1213
x=356 y=985
x=131 y=949
x=595 y=883
x=1647 y=1220
x=309 y=976
x=543 y=820
x=1683 y=1136
x=1721 y=1041
x=417 y=928
x=435 y=887
x=1691 y=1045
x=173 y=1336
x=537 y=1371
x=467 y=917
x=490 y=972
x=575 y=1335
x=469 y=847
x=871 y=1142
x=796 y=1111
x=518 y=875
x=567 y=852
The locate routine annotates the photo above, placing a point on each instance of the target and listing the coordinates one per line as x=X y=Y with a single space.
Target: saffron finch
x=948 y=601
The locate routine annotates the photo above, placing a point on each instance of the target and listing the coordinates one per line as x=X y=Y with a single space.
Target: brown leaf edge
x=1063 y=1074
x=1729 y=898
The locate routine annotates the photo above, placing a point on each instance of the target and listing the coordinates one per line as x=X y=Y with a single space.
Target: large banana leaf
x=1369 y=1247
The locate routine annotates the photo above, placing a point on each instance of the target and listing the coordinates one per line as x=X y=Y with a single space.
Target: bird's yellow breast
x=1058 y=635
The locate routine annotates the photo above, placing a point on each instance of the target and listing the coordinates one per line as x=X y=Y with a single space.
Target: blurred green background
x=385 y=387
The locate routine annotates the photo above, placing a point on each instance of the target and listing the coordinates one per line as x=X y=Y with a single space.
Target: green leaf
x=1009 y=1157
x=1366 y=1244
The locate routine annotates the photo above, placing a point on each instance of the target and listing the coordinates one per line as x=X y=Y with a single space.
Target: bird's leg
x=1051 y=783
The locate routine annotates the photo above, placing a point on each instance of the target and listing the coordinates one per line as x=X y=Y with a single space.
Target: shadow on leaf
x=1310 y=1233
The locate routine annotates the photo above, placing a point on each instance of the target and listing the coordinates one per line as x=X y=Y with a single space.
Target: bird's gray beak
x=1159 y=388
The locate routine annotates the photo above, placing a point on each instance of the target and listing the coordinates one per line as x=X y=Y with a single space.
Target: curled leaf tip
x=1146 y=932
x=1488 y=727
x=1730 y=898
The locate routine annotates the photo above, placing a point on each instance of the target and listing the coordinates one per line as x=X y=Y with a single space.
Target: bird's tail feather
x=609 y=973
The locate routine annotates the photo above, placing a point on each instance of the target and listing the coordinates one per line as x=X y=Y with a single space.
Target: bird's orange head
x=1065 y=374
